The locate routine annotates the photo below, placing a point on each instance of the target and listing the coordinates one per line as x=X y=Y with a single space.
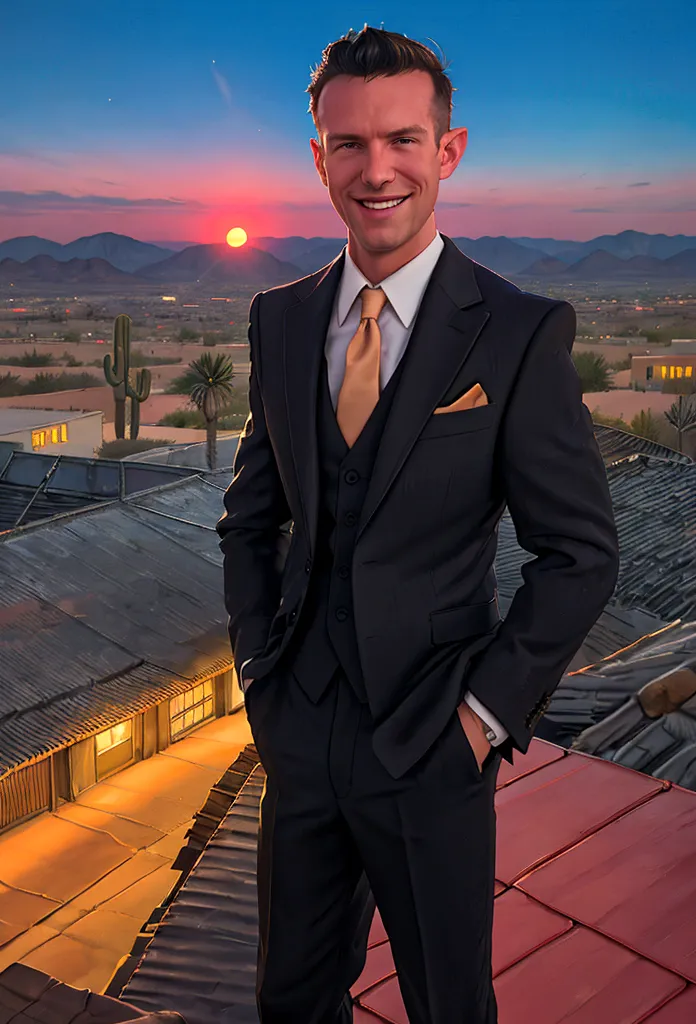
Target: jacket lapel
x=447 y=326
x=305 y=326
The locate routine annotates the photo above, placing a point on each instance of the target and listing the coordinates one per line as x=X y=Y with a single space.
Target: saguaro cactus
x=118 y=375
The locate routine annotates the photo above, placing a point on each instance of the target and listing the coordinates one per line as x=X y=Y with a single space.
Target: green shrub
x=43 y=383
x=121 y=447
x=32 y=358
x=10 y=385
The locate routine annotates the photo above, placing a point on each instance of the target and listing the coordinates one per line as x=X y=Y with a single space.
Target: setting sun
x=236 y=237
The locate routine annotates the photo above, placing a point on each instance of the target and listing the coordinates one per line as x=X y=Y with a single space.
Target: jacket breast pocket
x=462 y=422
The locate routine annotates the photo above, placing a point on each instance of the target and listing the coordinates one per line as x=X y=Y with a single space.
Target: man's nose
x=378 y=168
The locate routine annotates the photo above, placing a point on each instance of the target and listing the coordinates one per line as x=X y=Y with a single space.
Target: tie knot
x=373 y=301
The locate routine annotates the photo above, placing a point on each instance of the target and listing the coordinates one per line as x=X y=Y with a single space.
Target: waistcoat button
x=343 y=572
x=341 y=614
x=351 y=476
x=350 y=519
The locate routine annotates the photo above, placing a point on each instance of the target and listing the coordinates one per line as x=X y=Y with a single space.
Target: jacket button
x=293 y=615
x=351 y=477
x=343 y=572
x=341 y=614
x=308 y=565
x=350 y=519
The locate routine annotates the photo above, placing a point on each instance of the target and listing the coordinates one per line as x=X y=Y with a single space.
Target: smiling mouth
x=380 y=204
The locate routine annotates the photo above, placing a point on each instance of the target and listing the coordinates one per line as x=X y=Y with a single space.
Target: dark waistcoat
x=325 y=636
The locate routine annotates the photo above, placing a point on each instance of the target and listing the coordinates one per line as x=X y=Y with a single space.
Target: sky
x=175 y=120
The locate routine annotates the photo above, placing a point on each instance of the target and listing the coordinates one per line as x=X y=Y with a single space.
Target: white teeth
x=382 y=206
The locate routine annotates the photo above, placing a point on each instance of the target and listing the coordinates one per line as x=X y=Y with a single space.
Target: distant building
x=51 y=431
x=673 y=363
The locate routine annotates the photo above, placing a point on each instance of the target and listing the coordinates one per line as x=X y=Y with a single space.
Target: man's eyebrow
x=413 y=129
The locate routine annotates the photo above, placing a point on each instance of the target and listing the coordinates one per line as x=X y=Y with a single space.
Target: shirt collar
x=404 y=288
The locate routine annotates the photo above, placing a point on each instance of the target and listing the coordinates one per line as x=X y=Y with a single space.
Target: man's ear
x=318 y=154
x=452 y=146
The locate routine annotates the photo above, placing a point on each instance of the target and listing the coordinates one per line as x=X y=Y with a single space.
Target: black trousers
x=338 y=833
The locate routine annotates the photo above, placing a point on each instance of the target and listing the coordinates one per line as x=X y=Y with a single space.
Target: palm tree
x=682 y=416
x=593 y=370
x=211 y=387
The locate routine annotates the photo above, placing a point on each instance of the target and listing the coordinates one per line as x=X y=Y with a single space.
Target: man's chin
x=380 y=238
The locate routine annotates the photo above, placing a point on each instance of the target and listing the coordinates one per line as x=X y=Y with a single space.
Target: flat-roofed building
x=52 y=432
x=675 y=363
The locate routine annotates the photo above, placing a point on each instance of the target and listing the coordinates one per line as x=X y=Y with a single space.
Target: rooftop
x=97 y=595
x=35 y=485
x=594 y=914
x=12 y=420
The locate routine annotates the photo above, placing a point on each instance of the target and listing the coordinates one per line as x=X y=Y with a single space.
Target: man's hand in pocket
x=474 y=729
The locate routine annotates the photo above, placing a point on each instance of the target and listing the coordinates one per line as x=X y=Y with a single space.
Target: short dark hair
x=371 y=53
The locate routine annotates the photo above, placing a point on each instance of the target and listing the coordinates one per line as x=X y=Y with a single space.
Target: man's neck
x=376 y=266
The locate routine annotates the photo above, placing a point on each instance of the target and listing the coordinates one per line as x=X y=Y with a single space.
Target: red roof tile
x=634 y=881
x=520 y=926
x=377 y=931
x=584 y=978
x=556 y=806
x=681 y=1010
x=538 y=754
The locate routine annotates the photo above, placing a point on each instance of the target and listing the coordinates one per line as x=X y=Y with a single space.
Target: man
x=400 y=398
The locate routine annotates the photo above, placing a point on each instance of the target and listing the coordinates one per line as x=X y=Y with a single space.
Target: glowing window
x=64 y=432
x=680 y=371
x=664 y=371
x=191 y=708
x=114 y=748
x=110 y=738
x=54 y=435
x=689 y=371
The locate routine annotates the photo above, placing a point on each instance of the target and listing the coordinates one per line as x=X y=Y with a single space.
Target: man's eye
x=404 y=140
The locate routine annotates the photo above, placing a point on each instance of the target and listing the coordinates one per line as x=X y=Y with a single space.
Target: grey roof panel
x=217 y=901
x=105 y=612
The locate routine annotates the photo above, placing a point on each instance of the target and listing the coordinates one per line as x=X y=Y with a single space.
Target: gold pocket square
x=472 y=398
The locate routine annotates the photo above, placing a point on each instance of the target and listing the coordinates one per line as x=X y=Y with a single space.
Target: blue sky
x=176 y=119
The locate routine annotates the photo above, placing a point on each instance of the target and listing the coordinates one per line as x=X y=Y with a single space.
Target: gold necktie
x=359 y=392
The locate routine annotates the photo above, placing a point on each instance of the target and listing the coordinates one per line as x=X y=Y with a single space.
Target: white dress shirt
x=404 y=290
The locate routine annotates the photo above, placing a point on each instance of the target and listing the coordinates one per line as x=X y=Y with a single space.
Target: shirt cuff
x=244 y=680
x=488 y=718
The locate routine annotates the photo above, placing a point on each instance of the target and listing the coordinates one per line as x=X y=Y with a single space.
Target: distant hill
x=27 y=246
x=628 y=244
x=122 y=251
x=605 y=266
x=46 y=270
x=222 y=265
x=266 y=261
x=500 y=254
x=171 y=246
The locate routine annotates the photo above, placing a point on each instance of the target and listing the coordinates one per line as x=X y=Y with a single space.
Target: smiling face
x=378 y=146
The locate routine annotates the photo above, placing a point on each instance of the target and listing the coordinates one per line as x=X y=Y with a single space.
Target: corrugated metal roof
x=655 y=510
x=620 y=444
x=202 y=959
x=36 y=486
x=106 y=611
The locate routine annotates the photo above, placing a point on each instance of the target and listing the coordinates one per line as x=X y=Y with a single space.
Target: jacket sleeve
x=556 y=489
x=251 y=538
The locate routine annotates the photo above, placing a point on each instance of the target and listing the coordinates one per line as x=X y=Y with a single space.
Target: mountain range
x=111 y=259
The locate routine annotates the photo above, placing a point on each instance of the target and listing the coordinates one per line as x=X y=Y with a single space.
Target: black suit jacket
x=423 y=576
